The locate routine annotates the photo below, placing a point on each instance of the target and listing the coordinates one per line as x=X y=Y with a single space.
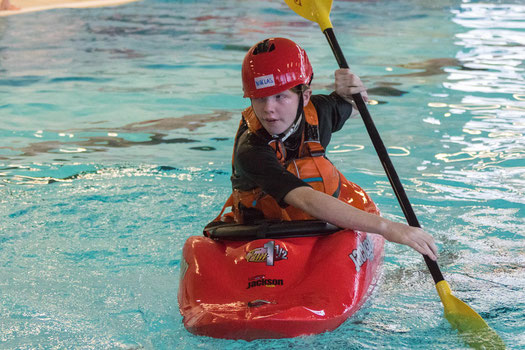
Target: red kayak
x=278 y=280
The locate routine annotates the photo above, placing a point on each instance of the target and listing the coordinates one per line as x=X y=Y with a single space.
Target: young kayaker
x=279 y=167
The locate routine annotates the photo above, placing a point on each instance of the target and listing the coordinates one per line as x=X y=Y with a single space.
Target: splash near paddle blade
x=313 y=10
x=472 y=328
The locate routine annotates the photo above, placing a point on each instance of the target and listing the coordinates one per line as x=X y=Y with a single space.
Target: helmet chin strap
x=295 y=125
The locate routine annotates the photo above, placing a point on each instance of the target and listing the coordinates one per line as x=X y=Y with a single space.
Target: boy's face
x=277 y=112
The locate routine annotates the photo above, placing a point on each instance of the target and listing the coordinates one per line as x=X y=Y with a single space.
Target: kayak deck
x=308 y=285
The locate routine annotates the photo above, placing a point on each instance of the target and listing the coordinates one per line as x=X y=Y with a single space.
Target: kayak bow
x=277 y=280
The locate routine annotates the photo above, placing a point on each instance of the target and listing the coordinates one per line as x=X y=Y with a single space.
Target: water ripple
x=494 y=50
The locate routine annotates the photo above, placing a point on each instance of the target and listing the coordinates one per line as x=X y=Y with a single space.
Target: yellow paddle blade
x=313 y=10
x=472 y=328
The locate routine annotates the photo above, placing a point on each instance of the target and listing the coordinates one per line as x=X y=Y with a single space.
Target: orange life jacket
x=311 y=166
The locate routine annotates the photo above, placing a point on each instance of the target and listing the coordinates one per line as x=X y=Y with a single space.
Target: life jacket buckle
x=319 y=153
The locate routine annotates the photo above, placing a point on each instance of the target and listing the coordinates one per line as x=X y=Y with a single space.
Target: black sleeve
x=257 y=166
x=333 y=111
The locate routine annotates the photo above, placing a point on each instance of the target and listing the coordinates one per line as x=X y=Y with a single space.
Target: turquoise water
x=116 y=128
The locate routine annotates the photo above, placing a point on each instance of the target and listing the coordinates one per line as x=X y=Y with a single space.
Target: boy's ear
x=306 y=97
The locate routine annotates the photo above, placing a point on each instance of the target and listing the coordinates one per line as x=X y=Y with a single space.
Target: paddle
x=461 y=316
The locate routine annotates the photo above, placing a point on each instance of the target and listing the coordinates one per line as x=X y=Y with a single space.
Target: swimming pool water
x=116 y=128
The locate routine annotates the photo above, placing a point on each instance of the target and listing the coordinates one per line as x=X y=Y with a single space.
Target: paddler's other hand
x=347 y=84
x=413 y=237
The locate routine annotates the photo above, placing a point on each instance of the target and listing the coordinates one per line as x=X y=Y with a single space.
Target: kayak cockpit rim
x=269 y=229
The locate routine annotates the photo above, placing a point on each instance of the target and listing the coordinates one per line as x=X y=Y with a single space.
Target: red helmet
x=274 y=65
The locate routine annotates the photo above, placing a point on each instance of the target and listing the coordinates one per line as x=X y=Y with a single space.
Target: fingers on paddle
x=347 y=84
x=365 y=96
x=425 y=245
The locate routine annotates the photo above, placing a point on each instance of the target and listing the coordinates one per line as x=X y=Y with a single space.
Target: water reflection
x=494 y=132
x=493 y=49
x=434 y=66
x=99 y=139
x=483 y=145
x=60 y=173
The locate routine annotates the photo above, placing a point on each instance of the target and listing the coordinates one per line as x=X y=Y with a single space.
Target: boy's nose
x=269 y=104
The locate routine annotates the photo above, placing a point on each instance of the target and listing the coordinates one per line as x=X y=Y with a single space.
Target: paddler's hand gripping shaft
x=382 y=153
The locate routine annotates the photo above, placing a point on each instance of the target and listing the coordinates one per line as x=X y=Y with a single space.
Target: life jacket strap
x=228 y=204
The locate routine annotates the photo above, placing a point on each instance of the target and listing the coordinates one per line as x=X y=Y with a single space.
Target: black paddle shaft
x=383 y=154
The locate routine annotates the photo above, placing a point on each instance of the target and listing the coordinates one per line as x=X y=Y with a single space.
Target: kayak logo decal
x=259 y=281
x=264 y=81
x=363 y=252
x=268 y=253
